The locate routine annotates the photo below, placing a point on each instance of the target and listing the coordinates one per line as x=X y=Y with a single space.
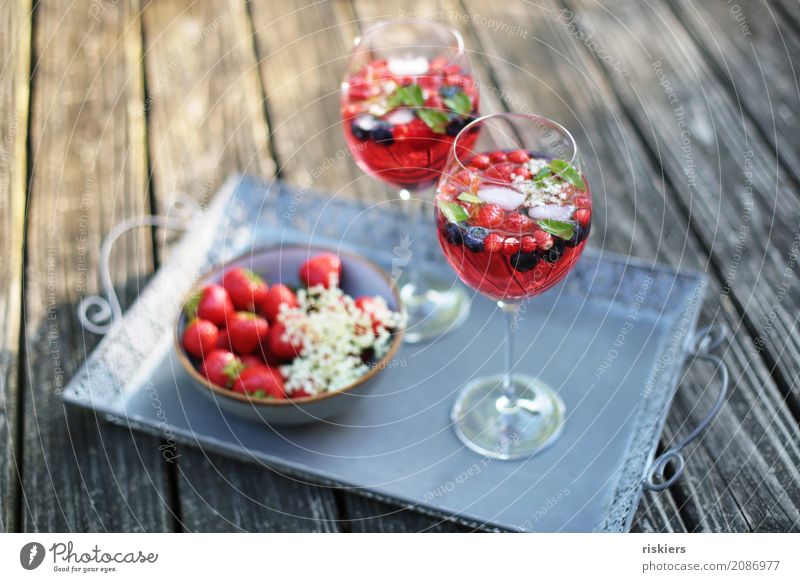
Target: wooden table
x=686 y=113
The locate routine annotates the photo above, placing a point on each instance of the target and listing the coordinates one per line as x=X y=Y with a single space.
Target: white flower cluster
x=541 y=193
x=334 y=334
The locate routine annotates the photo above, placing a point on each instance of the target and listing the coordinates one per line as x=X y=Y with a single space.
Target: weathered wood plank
x=88 y=172
x=559 y=78
x=744 y=205
x=15 y=44
x=657 y=514
x=206 y=120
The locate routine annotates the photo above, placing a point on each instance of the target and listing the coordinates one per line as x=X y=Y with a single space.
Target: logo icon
x=31 y=555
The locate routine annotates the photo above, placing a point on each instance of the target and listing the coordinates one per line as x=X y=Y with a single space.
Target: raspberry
x=489 y=216
x=493 y=243
x=510 y=245
x=518 y=156
x=544 y=240
x=527 y=244
x=498 y=157
x=583 y=216
x=481 y=162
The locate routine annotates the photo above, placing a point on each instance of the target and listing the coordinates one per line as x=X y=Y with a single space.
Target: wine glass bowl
x=513 y=213
x=407 y=93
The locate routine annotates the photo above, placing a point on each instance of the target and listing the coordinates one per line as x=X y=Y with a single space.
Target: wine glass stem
x=412 y=217
x=510 y=310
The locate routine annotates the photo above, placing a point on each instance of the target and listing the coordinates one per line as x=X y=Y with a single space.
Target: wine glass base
x=435 y=307
x=484 y=421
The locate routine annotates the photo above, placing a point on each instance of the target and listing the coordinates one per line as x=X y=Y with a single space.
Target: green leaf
x=434 y=119
x=567 y=172
x=232 y=370
x=542 y=175
x=453 y=212
x=468 y=197
x=459 y=103
x=406 y=96
x=252 y=277
x=259 y=394
x=190 y=309
x=557 y=228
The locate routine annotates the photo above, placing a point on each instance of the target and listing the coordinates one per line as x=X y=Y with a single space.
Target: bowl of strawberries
x=289 y=335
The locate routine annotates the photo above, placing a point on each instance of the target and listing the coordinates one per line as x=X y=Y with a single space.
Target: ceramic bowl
x=360 y=276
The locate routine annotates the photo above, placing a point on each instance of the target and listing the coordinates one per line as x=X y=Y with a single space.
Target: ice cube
x=505 y=198
x=551 y=211
x=400 y=116
x=408 y=67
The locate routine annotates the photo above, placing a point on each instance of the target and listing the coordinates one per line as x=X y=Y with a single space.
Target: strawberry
x=278 y=295
x=434 y=101
x=583 y=216
x=544 y=240
x=247 y=331
x=251 y=360
x=480 y=162
x=493 y=243
x=221 y=367
x=260 y=381
x=300 y=393
x=212 y=304
x=416 y=129
x=246 y=289
x=223 y=341
x=518 y=156
x=200 y=338
x=371 y=307
x=489 y=216
x=279 y=344
x=498 y=157
x=510 y=245
x=318 y=270
x=360 y=90
x=527 y=244
x=518 y=223
x=522 y=172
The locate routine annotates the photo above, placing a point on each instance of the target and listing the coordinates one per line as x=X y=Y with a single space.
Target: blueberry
x=449 y=91
x=362 y=126
x=579 y=234
x=456 y=125
x=522 y=261
x=555 y=252
x=452 y=232
x=473 y=239
x=382 y=133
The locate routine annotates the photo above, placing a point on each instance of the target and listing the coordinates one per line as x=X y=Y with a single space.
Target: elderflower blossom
x=334 y=334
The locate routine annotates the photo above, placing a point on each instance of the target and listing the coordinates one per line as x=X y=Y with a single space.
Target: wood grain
x=206 y=120
x=561 y=79
x=15 y=39
x=88 y=172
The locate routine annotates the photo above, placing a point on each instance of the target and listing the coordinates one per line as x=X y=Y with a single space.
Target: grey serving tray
x=612 y=339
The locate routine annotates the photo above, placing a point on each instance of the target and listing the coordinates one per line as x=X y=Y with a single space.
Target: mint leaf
x=190 y=309
x=407 y=96
x=567 y=172
x=453 y=212
x=542 y=175
x=459 y=103
x=467 y=197
x=557 y=228
x=434 y=119
x=232 y=370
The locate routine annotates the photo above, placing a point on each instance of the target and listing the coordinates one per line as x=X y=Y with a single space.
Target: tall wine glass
x=513 y=214
x=407 y=93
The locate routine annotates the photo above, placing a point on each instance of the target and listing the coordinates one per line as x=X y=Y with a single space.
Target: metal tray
x=612 y=339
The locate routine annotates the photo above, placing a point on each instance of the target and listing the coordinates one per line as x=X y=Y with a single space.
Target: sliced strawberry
x=260 y=381
x=319 y=270
x=278 y=295
x=489 y=216
x=246 y=289
x=280 y=346
x=200 y=338
x=221 y=367
x=247 y=331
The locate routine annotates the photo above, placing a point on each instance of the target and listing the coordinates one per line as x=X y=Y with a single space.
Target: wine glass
x=513 y=213
x=408 y=91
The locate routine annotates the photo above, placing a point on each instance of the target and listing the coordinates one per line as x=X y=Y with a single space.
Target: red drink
x=512 y=224
x=401 y=116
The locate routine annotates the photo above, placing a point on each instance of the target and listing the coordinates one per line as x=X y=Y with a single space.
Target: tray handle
x=704 y=342
x=96 y=313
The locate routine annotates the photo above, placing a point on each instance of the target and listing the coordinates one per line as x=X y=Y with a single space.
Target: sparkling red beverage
x=401 y=116
x=513 y=223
